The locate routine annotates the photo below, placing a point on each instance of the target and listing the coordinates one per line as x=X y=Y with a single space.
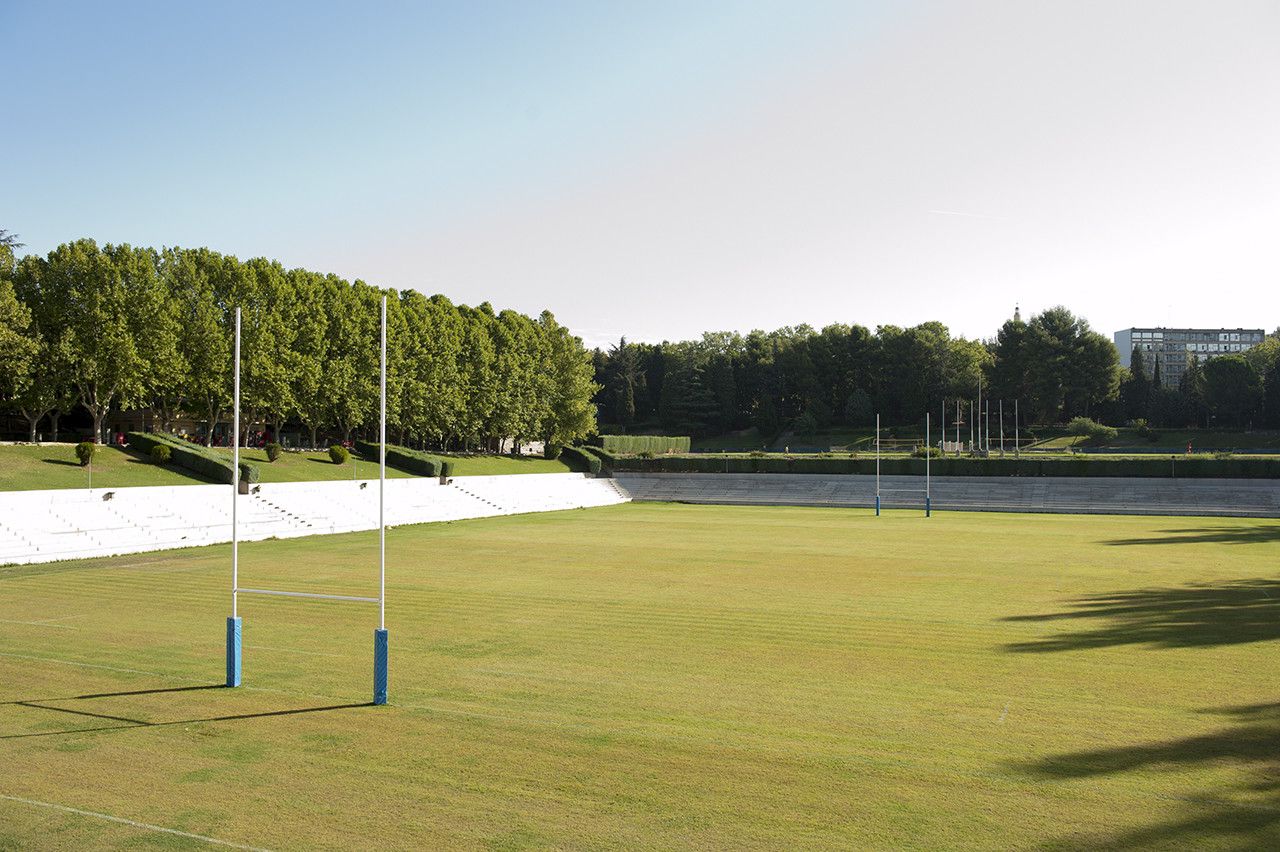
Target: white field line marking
x=1002 y=715
x=93 y=666
x=213 y=840
x=291 y=651
x=39 y=624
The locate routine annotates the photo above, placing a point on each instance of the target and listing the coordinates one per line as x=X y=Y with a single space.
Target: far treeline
x=119 y=327
x=842 y=376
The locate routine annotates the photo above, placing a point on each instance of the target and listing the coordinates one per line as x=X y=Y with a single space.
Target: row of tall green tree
x=118 y=327
x=1225 y=390
x=805 y=379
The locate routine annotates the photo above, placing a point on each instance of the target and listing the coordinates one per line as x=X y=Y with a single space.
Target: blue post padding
x=926 y=507
x=877 y=505
x=380 y=666
x=233 y=652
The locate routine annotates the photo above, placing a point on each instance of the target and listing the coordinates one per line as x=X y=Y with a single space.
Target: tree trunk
x=54 y=416
x=213 y=425
x=313 y=437
x=99 y=416
x=33 y=422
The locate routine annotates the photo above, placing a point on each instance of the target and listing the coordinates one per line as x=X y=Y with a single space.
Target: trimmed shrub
x=403 y=458
x=931 y=452
x=84 y=452
x=1092 y=429
x=581 y=461
x=655 y=444
x=273 y=451
x=161 y=453
x=551 y=451
x=192 y=457
x=338 y=454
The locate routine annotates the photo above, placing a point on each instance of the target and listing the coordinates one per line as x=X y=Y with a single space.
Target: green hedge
x=580 y=460
x=608 y=461
x=193 y=457
x=1200 y=468
x=656 y=444
x=413 y=461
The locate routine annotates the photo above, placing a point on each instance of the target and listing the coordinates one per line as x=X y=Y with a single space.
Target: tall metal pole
x=1017 y=442
x=979 y=411
x=957 y=428
x=380 y=642
x=233 y=623
x=1002 y=428
x=971 y=426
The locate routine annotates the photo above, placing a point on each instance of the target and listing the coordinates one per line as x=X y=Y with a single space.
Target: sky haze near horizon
x=662 y=171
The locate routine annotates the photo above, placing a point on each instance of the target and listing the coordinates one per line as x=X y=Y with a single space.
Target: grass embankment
x=660 y=676
x=27 y=467
x=303 y=466
x=311 y=466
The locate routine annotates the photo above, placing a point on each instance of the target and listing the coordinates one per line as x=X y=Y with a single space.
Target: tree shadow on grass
x=62 y=462
x=1262 y=533
x=1244 y=816
x=1181 y=617
x=130 y=723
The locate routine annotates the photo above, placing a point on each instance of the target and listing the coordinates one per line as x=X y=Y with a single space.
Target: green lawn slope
x=27 y=467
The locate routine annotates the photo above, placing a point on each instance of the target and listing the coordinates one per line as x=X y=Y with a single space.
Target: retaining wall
x=1255 y=498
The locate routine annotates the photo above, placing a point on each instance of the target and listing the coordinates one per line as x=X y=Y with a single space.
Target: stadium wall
x=1254 y=498
x=46 y=526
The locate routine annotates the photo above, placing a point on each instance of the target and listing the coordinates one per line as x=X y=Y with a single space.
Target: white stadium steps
x=46 y=526
x=1257 y=498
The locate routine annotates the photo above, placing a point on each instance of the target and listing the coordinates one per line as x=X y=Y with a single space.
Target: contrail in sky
x=970 y=215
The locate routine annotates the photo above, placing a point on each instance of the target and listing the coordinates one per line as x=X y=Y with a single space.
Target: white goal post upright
x=380 y=650
x=233 y=623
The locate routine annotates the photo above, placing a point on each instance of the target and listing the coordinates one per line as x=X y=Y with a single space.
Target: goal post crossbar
x=316 y=595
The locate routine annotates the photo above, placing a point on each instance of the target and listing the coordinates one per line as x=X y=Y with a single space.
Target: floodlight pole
x=1002 y=428
x=233 y=623
x=380 y=650
x=877 y=465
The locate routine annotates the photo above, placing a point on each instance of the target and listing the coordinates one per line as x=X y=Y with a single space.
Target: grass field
x=658 y=676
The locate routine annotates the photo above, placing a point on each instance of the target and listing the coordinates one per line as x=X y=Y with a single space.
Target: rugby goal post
x=928 y=508
x=234 y=622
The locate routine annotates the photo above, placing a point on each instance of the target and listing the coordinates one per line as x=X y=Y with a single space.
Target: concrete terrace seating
x=1087 y=495
x=44 y=526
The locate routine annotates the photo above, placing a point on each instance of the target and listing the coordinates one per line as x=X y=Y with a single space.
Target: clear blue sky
x=660 y=169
